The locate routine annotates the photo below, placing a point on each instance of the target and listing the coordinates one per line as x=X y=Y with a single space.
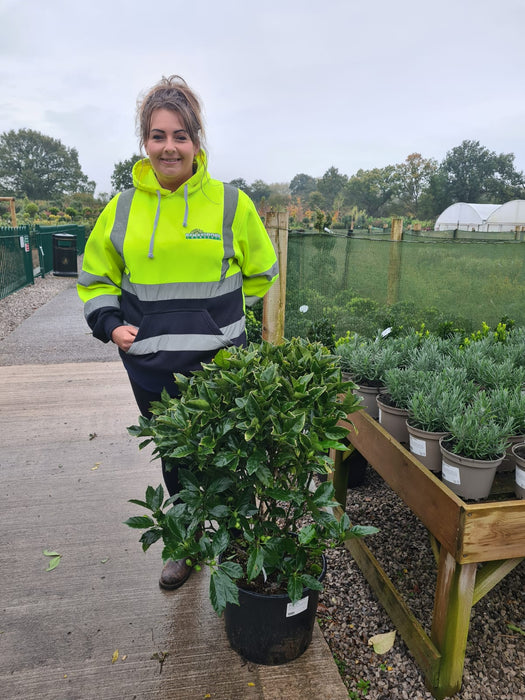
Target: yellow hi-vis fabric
x=179 y=266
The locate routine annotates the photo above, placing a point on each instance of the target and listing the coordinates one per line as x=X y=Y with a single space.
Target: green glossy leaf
x=306 y=534
x=222 y=590
x=255 y=563
x=362 y=530
x=139 y=503
x=219 y=511
x=140 y=522
x=311 y=582
x=150 y=537
x=295 y=588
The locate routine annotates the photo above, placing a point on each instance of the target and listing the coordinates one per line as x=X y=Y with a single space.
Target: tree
x=303 y=185
x=371 y=189
x=316 y=200
x=413 y=177
x=122 y=178
x=472 y=173
x=39 y=167
x=330 y=185
x=279 y=198
x=260 y=191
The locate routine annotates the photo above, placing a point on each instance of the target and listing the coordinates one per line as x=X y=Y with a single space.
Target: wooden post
x=12 y=209
x=275 y=299
x=396 y=231
x=450 y=622
x=394 y=274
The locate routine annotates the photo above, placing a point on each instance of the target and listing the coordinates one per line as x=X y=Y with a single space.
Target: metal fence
x=26 y=253
x=16 y=267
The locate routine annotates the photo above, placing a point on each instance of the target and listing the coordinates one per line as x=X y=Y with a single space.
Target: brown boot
x=174 y=574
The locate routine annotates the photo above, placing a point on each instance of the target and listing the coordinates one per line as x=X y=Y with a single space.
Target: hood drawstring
x=157 y=214
x=155 y=223
x=185 y=220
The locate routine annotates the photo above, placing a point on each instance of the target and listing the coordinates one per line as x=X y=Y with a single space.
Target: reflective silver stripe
x=86 y=279
x=100 y=302
x=188 y=342
x=231 y=197
x=182 y=290
x=118 y=232
x=250 y=301
x=270 y=274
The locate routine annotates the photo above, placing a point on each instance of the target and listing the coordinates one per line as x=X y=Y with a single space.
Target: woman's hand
x=123 y=336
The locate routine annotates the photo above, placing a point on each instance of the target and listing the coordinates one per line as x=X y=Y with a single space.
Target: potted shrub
x=365 y=361
x=252 y=430
x=430 y=409
x=510 y=403
x=431 y=355
x=400 y=384
x=474 y=449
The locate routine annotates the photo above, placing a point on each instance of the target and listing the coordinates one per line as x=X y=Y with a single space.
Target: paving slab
x=98 y=626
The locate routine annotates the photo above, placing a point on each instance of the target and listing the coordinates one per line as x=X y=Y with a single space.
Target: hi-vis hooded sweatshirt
x=180 y=266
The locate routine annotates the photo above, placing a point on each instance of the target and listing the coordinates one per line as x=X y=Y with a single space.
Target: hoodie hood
x=144 y=179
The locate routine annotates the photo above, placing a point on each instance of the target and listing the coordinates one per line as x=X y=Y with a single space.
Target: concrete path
x=98 y=627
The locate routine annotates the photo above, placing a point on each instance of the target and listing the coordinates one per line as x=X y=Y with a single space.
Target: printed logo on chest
x=198 y=234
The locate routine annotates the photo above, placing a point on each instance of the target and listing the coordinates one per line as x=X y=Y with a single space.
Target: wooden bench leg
x=451 y=619
x=340 y=476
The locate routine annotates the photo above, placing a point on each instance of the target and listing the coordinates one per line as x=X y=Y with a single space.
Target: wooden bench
x=463 y=536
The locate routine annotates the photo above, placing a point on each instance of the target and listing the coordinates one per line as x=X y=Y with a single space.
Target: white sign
x=296 y=608
x=450 y=474
x=418 y=447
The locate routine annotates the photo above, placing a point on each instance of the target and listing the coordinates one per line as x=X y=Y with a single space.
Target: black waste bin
x=65 y=255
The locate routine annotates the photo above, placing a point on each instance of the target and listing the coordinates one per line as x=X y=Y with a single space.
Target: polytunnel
x=465 y=216
x=508 y=216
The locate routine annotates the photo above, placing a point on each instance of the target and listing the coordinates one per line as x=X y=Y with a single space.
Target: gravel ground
x=349 y=613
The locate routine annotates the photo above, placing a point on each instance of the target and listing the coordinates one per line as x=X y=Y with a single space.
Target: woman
x=171 y=263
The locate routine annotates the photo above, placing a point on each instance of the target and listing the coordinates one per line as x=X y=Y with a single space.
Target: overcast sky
x=288 y=86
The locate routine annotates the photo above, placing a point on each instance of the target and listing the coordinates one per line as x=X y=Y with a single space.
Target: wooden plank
x=432 y=502
x=491 y=574
x=424 y=651
x=493 y=531
x=450 y=622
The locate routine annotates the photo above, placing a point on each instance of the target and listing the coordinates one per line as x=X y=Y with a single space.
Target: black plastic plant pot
x=269 y=629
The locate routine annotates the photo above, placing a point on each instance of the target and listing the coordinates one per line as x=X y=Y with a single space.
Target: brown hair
x=174 y=94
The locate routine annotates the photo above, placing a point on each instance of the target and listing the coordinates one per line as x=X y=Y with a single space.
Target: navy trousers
x=170 y=470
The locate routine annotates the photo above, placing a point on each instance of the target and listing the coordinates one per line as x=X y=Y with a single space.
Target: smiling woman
x=171 y=151
x=172 y=263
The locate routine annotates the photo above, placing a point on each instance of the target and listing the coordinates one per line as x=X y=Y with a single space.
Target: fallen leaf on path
x=382 y=642
x=54 y=562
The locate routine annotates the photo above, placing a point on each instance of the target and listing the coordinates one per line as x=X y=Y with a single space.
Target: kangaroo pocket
x=184 y=330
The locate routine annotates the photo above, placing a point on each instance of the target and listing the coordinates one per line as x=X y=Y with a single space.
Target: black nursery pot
x=269 y=629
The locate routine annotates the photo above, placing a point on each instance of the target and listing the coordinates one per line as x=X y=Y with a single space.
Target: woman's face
x=170 y=150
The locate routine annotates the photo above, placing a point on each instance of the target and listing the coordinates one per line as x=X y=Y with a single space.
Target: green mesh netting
x=356 y=283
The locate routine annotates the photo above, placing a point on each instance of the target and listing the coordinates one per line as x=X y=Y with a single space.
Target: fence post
x=396 y=231
x=275 y=299
x=12 y=209
x=28 y=255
